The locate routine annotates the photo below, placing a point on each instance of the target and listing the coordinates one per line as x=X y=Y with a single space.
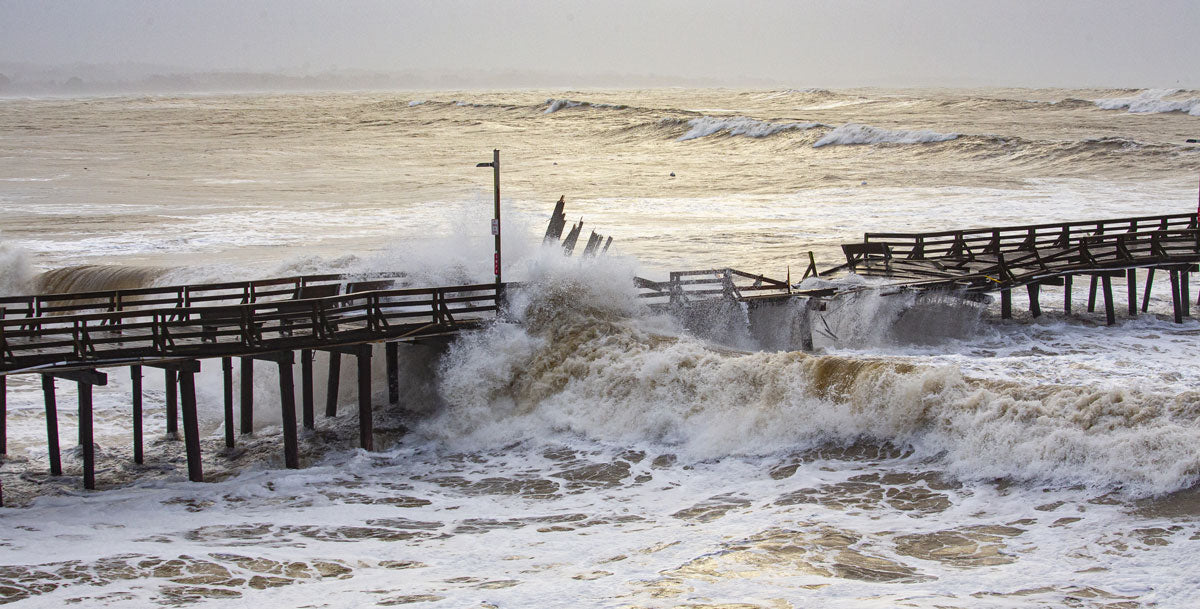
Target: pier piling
x=52 y=425
x=306 y=387
x=1146 y=293
x=335 y=372
x=366 y=428
x=3 y=415
x=247 y=396
x=1110 y=314
x=227 y=399
x=1068 y=281
x=1131 y=282
x=287 y=404
x=135 y=379
x=191 y=425
x=86 y=435
x=1177 y=306
x=392 y=354
x=1035 y=307
x=1185 y=301
x=171 y=382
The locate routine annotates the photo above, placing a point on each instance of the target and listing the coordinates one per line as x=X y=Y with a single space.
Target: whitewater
x=585 y=450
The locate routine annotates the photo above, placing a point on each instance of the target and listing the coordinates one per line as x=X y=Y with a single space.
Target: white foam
x=854 y=134
x=15 y=270
x=738 y=125
x=1152 y=101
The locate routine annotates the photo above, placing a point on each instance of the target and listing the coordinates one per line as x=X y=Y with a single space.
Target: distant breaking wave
x=1151 y=101
x=554 y=105
x=738 y=125
x=854 y=134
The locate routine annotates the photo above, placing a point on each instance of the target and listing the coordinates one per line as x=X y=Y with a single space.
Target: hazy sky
x=1143 y=43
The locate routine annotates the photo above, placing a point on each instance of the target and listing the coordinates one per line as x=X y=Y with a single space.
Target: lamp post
x=495 y=165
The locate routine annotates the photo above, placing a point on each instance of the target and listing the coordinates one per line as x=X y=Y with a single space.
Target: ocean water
x=588 y=452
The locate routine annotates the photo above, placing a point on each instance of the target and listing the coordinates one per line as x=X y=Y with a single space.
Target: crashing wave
x=583 y=361
x=1152 y=101
x=854 y=134
x=416 y=102
x=738 y=125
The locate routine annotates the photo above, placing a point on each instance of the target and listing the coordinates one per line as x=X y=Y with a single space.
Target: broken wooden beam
x=558 y=220
x=593 y=245
x=572 y=237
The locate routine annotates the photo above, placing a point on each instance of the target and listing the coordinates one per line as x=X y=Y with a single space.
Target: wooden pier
x=73 y=337
x=1003 y=259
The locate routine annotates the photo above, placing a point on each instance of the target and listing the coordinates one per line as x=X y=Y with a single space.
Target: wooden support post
x=335 y=371
x=1146 y=294
x=135 y=378
x=191 y=426
x=86 y=438
x=366 y=427
x=1131 y=281
x=1005 y=303
x=51 y=425
x=1110 y=314
x=227 y=394
x=1184 y=300
x=287 y=404
x=172 y=377
x=3 y=416
x=84 y=380
x=393 y=372
x=1092 y=295
x=1175 y=296
x=306 y=387
x=1035 y=306
x=247 y=402
x=1068 y=280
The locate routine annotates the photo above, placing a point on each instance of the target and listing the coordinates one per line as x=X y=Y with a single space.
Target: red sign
x=497 y=263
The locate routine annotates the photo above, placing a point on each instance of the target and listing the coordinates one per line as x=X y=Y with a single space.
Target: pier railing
x=993 y=240
x=194 y=295
x=128 y=334
x=686 y=286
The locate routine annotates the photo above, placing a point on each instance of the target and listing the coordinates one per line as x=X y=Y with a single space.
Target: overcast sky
x=841 y=43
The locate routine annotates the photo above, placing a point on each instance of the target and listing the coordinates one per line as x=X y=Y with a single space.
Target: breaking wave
x=738 y=125
x=579 y=359
x=852 y=134
x=554 y=105
x=1152 y=101
x=95 y=278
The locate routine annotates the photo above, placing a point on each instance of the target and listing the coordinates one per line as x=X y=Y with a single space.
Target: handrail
x=210 y=331
x=183 y=295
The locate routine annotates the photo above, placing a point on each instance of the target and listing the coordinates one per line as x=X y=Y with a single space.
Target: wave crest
x=1152 y=101
x=852 y=134
x=738 y=125
x=554 y=105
